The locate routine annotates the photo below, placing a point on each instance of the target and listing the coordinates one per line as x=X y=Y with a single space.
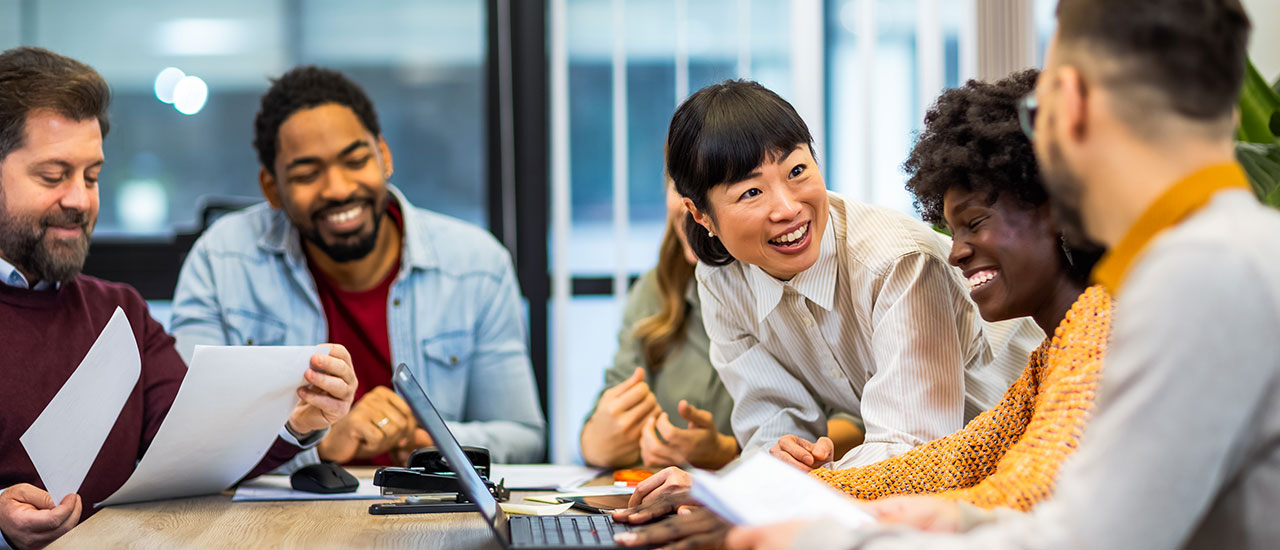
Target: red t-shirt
x=358 y=321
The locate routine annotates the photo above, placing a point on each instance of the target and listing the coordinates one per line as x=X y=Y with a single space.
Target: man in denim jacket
x=336 y=254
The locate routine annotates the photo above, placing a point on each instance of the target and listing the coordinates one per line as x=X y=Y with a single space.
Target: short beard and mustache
x=346 y=251
x=1066 y=192
x=25 y=246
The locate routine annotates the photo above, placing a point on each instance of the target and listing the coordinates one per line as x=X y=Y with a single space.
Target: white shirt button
x=808 y=321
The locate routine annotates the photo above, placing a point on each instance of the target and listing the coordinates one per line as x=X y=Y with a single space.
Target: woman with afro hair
x=973 y=171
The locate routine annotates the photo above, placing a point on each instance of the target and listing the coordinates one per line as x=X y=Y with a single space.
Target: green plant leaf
x=1262 y=164
x=1274 y=198
x=1259 y=104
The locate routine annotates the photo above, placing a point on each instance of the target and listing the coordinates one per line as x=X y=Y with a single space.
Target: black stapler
x=429 y=486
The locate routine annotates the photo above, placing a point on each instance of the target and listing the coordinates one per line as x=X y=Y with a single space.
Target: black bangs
x=725 y=131
x=720 y=135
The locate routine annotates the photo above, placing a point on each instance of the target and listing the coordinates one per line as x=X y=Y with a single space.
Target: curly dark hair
x=972 y=140
x=303 y=88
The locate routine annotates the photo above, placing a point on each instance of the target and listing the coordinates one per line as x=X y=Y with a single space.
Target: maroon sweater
x=43 y=337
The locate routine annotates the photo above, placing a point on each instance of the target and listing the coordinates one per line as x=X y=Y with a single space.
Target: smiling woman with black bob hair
x=816 y=303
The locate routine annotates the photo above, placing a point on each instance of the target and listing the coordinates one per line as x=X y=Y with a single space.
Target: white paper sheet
x=603 y=490
x=65 y=439
x=542 y=477
x=762 y=490
x=535 y=510
x=233 y=403
x=276 y=487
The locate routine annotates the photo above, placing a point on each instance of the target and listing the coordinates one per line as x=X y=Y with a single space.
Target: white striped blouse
x=880 y=326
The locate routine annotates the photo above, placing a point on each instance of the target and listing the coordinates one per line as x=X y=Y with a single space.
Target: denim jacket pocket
x=246 y=328
x=450 y=350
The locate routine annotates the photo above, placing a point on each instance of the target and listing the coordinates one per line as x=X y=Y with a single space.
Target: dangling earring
x=710 y=234
x=1066 y=250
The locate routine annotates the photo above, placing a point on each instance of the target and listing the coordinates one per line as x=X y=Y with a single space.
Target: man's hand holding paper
x=327 y=397
x=29 y=518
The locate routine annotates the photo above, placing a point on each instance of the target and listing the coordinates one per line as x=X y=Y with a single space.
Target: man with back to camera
x=53 y=117
x=337 y=253
x=1133 y=130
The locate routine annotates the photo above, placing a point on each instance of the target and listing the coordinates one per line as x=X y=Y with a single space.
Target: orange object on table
x=631 y=477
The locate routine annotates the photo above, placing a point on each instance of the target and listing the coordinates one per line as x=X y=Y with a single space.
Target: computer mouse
x=325 y=477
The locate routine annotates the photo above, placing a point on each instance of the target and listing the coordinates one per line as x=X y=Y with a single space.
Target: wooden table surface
x=216 y=522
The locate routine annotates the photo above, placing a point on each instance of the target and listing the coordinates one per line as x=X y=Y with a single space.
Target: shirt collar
x=10 y=276
x=814 y=283
x=282 y=237
x=1173 y=206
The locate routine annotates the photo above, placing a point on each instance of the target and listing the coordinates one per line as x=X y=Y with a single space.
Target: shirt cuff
x=307 y=442
x=4 y=542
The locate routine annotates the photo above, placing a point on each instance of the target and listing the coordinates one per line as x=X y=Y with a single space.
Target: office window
x=882 y=84
x=422 y=63
x=10 y=24
x=714 y=53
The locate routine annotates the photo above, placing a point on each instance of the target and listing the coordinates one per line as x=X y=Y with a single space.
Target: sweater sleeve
x=955 y=461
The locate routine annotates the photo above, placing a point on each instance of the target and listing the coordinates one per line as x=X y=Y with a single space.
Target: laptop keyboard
x=564 y=531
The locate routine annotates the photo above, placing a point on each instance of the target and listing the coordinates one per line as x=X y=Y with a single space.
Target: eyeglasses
x=1027 y=114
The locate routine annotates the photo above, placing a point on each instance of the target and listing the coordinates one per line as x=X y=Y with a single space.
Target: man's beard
x=347 y=251
x=25 y=246
x=1066 y=192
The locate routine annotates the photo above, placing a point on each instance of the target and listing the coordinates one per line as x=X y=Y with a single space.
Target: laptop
x=522 y=532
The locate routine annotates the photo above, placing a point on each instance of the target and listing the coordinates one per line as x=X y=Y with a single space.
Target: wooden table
x=216 y=522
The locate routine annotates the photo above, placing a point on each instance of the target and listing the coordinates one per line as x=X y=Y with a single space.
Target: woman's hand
x=663 y=444
x=802 y=454
x=611 y=437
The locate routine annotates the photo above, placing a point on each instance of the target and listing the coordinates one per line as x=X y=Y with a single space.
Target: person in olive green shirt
x=663 y=403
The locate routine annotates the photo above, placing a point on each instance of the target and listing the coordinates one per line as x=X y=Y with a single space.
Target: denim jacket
x=454 y=316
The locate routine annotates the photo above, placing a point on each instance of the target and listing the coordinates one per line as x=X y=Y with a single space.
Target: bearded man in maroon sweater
x=52 y=121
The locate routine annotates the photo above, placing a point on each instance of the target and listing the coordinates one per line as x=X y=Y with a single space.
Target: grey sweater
x=1183 y=450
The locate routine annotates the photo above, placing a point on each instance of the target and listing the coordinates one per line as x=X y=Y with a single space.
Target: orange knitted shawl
x=1009 y=455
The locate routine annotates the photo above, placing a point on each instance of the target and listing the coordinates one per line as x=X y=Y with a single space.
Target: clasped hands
x=29 y=518
x=380 y=422
x=628 y=421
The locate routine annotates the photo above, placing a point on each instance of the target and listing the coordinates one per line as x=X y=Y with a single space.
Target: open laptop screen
x=457 y=461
